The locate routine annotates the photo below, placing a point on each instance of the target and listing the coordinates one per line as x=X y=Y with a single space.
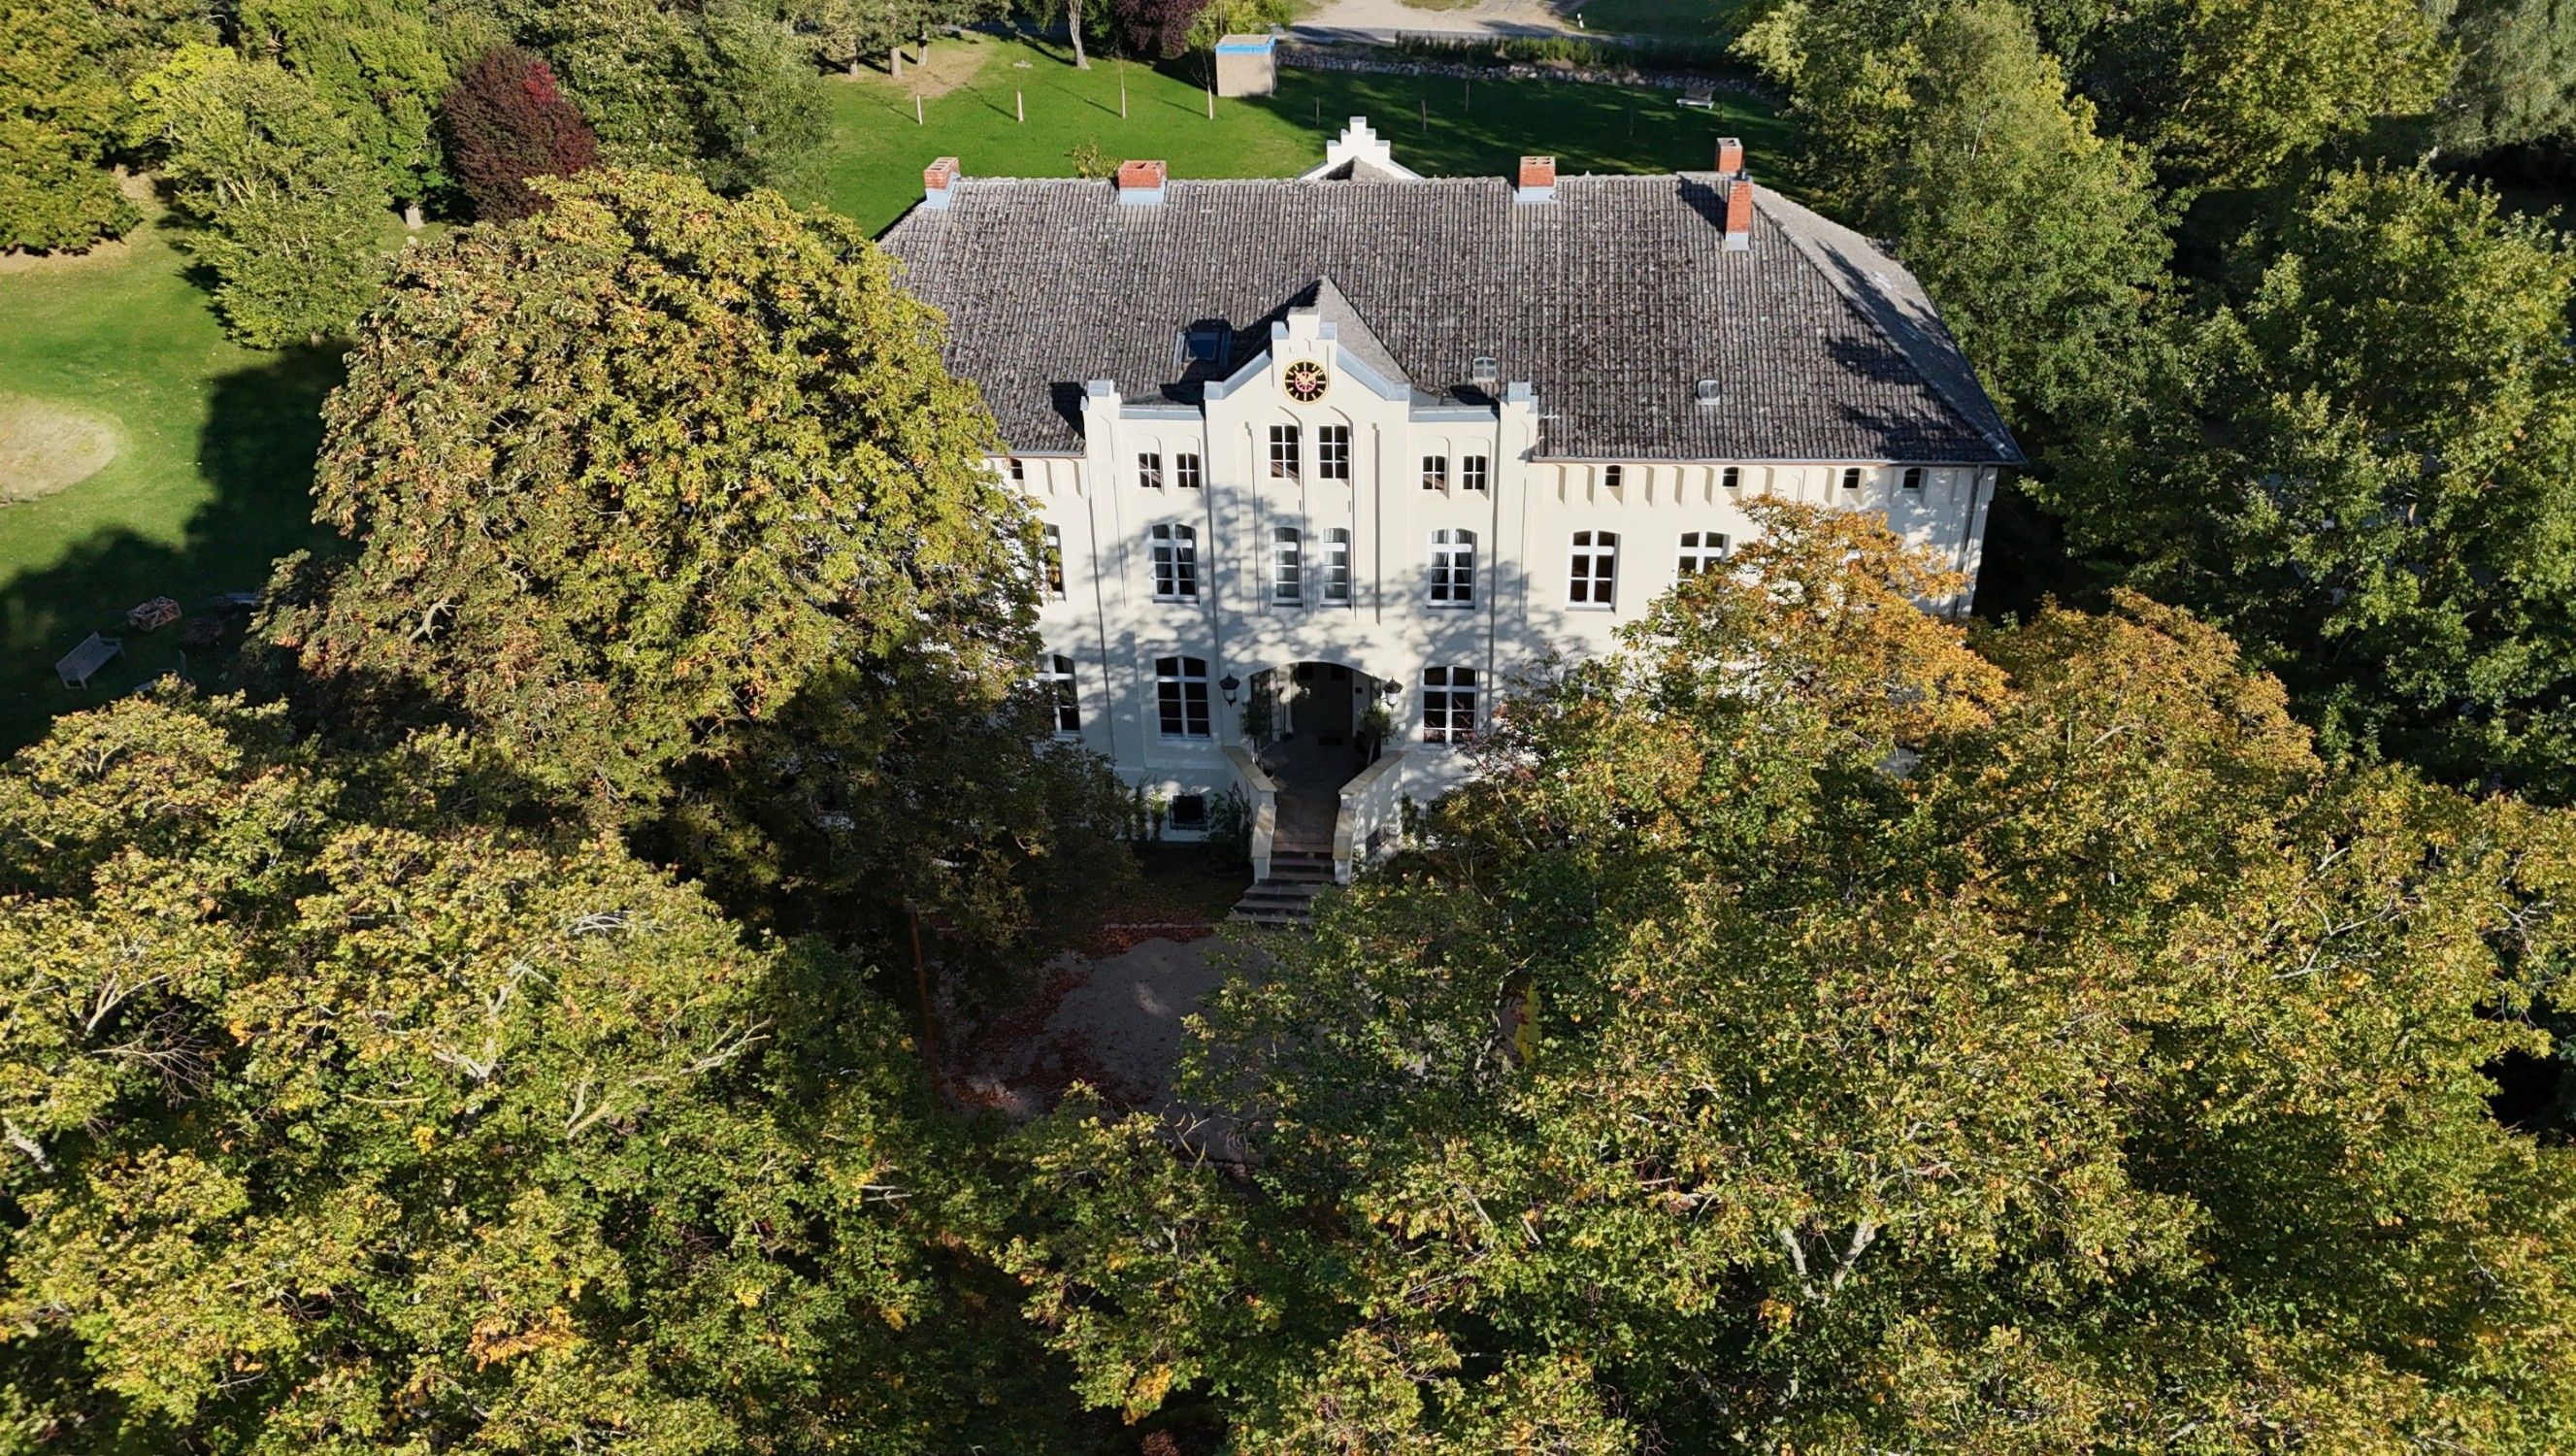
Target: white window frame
x=1051 y=560
x=1181 y=696
x=1333 y=452
x=1435 y=473
x=1287 y=566
x=1336 y=572
x=1592 y=576
x=1064 y=693
x=1614 y=477
x=1701 y=551
x=1285 y=448
x=1449 y=703
x=1175 y=563
x=1731 y=478
x=1149 y=469
x=1851 y=477
x=1475 y=472
x=1451 y=580
x=1913 y=478
x=1187 y=472
x=1019 y=471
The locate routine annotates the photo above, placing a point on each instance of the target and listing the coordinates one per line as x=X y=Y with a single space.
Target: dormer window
x=1705 y=391
x=1201 y=344
x=1486 y=370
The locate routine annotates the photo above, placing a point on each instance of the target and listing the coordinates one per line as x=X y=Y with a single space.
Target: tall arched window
x=1055 y=677
x=1287 y=566
x=1337 y=567
x=1181 y=696
x=1453 y=568
x=1176 y=563
x=1594 y=580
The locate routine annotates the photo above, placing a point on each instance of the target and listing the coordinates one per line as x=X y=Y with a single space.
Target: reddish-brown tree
x=507 y=122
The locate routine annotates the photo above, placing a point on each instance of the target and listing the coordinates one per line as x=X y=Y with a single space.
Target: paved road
x=1379 y=21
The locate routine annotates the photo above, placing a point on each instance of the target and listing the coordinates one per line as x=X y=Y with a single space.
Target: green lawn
x=879 y=150
x=213 y=477
x=210 y=483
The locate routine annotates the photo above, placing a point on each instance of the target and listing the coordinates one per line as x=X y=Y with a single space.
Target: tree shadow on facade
x=256 y=452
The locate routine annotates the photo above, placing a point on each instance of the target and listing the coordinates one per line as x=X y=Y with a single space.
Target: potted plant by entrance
x=1375 y=725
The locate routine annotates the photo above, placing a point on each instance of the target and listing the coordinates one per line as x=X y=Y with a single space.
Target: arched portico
x=1318 y=739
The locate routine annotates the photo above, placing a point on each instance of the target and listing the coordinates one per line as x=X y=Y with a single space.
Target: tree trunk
x=1073 y=26
x=854 y=66
x=897 y=48
x=411 y=215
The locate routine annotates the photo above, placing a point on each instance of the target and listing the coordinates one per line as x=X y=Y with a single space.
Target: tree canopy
x=1953 y=135
x=2362 y=474
x=672 y=500
x=340 y=1120
x=61 y=110
x=506 y=122
x=1818 y=1029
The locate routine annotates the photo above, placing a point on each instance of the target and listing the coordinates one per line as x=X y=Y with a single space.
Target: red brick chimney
x=1730 y=156
x=1140 y=182
x=1739 y=215
x=936 y=181
x=1537 y=180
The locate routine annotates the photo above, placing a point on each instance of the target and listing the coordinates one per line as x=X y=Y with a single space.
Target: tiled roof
x=1613 y=300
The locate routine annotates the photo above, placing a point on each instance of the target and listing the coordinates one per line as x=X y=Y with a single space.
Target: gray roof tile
x=1613 y=301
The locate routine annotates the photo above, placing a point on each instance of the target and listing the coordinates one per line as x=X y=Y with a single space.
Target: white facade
x=1427 y=538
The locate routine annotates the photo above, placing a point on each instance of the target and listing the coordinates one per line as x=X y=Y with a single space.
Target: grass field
x=214 y=443
x=209 y=483
x=980 y=85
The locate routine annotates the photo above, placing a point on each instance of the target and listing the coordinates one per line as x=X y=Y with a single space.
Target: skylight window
x=1202 y=343
x=1486 y=370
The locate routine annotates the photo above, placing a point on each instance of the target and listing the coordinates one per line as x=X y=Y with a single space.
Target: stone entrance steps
x=1286 y=900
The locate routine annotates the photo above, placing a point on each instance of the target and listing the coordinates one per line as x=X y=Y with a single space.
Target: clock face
x=1305 y=381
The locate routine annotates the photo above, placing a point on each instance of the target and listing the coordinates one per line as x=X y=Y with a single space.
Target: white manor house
x=1368 y=439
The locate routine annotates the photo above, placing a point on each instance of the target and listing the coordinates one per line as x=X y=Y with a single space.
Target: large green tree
x=61 y=109
x=721 y=88
x=338 y=1120
x=377 y=63
x=288 y=204
x=1816 y=1032
x=673 y=502
x=2362 y=471
x=2517 y=78
x=1948 y=130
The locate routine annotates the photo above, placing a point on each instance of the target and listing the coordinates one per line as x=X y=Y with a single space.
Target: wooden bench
x=94 y=653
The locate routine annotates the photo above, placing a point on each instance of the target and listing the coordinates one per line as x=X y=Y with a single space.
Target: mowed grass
x=211 y=480
x=1439 y=126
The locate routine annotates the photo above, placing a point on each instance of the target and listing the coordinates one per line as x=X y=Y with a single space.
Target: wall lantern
x=1229 y=685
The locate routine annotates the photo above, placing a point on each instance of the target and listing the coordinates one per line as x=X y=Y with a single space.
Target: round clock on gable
x=1305 y=381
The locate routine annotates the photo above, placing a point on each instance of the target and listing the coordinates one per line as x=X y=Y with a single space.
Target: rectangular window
x=1473 y=472
x=1186 y=473
x=1333 y=453
x=1176 y=563
x=1595 y=576
x=1283 y=452
x=1851 y=477
x=1913 y=477
x=1053 y=565
x=1453 y=568
x=1181 y=696
x=1149 y=470
x=1731 y=477
x=1287 y=566
x=1448 y=704
x=1019 y=472
x=1614 y=476
x=1189 y=811
x=1701 y=551
x=1435 y=472
x=1337 y=567
x=1062 y=696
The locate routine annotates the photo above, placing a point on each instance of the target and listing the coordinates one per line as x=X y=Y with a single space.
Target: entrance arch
x=1318 y=742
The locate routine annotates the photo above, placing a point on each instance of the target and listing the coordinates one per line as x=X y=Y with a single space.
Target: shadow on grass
x=256 y=451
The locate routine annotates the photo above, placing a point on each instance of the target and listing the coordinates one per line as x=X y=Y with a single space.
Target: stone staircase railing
x=1261 y=792
x=1371 y=801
